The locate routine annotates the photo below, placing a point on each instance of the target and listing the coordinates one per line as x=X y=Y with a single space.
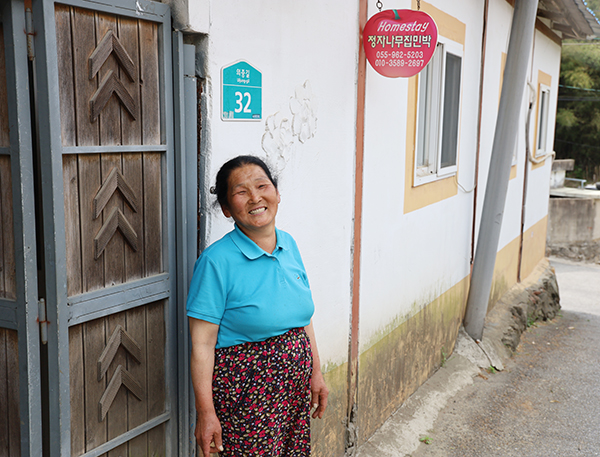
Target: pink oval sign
x=400 y=42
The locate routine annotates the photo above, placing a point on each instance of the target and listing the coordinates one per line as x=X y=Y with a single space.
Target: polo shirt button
x=274 y=259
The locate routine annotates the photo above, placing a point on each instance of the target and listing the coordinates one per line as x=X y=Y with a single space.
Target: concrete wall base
x=582 y=252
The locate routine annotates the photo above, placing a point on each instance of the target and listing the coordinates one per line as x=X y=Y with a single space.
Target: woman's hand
x=208 y=428
x=208 y=433
x=319 y=393
x=318 y=389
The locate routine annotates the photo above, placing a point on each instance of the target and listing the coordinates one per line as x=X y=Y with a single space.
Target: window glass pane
x=424 y=114
x=542 y=130
x=451 y=111
x=429 y=107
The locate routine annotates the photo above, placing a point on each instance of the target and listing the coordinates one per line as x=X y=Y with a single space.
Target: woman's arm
x=317 y=384
x=208 y=427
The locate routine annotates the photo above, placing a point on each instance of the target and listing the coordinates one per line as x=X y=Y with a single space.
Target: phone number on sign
x=399 y=59
x=399 y=54
x=399 y=63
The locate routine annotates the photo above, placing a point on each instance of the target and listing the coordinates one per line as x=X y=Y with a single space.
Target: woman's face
x=252 y=200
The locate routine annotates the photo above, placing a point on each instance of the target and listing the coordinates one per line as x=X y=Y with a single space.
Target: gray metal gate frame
x=186 y=171
x=21 y=315
x=60 y=311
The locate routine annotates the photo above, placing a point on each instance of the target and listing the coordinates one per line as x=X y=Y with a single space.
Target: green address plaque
x=241 y=92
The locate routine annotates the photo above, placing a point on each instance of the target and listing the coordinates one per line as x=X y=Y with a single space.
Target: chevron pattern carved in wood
x=120 y=377
x=119 y=338
x=110 y=85
x=114 y=181
x=109 y=44
x=115 y=221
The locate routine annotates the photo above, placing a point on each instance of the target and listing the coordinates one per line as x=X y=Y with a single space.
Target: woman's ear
x=226 y=211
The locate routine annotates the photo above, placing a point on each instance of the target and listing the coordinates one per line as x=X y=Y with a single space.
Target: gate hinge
x=30 y=33
x=42 y=320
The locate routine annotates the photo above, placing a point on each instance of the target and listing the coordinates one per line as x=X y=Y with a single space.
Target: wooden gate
x=20 y=381
x=10 y=439
x=105 y=202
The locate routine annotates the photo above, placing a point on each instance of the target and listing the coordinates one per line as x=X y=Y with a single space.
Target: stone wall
x=574 y=228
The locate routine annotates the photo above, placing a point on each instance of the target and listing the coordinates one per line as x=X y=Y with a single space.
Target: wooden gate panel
x=145 y=325
x=131 y=133
x=93 y=344
x=65 y=70
x=77 y=390
x=116 y=418
x=153 y=247
x=138 y=411
x=155 y=344
x=149 y=71
x=4 y=138
x=72 y=226
x=133 y=172
x=83 y=33
x=8 y=285
x=109 y=119
x=110 y=96
x=90 y=180
x=10 y=426
x=114 y=252
x=79 y=33
x=120 y=262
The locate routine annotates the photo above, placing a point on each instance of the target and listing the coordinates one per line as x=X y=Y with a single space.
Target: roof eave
x=578 y=20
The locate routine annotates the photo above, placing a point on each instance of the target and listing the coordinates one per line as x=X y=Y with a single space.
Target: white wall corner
x=199 y=16
x=191 y=16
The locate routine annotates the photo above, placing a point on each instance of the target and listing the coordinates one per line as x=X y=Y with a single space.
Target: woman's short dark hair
x=222 y=183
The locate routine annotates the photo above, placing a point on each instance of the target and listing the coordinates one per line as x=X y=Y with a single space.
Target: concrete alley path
x=547 y=400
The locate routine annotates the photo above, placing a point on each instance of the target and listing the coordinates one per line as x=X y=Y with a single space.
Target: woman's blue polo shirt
x=252 y=295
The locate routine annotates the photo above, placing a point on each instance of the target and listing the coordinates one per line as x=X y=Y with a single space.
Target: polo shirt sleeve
x=207 y=294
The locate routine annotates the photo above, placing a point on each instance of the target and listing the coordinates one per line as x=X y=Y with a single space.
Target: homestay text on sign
x=400 y=43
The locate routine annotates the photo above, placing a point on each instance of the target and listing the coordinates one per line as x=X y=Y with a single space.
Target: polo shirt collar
x=250 y=249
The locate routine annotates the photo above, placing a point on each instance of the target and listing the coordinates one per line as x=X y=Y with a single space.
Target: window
x=542 y=130
x=438 y=113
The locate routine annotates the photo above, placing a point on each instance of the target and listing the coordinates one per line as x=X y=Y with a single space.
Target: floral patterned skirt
x=261 y=393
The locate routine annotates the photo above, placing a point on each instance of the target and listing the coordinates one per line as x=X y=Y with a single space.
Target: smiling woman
x=255 y=365
x=252 y=202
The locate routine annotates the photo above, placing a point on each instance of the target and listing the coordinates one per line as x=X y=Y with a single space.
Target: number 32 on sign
x=241 y=92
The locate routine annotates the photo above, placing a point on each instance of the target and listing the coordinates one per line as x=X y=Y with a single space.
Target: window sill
x=433 y=177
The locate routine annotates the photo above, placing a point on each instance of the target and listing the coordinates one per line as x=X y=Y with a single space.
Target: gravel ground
x=547 y=400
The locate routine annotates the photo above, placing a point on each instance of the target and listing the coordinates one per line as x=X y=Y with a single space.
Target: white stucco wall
x=309 y=51
x=546 y=57
x=499 y=25
x=306 y=50
x=410 y=259
x=199 y=16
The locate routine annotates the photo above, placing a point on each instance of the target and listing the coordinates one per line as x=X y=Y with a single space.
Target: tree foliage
x=594 y=5
x=578 y=117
